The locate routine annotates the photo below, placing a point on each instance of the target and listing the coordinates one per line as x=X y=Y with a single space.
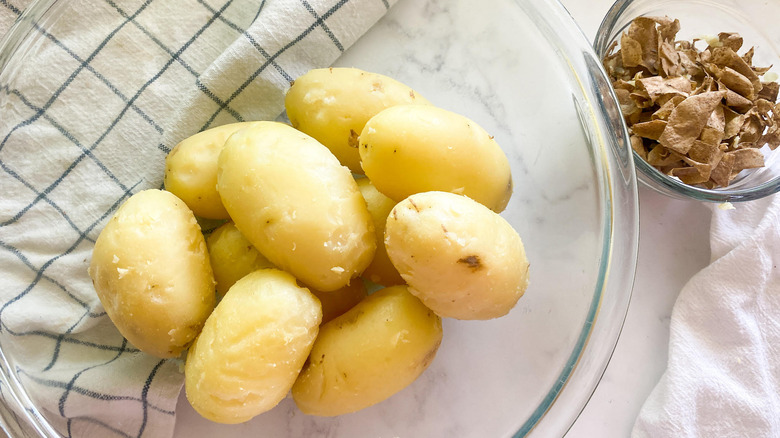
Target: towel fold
x=723 y=376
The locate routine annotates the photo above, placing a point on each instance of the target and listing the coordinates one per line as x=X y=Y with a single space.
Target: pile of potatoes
x=370 y=185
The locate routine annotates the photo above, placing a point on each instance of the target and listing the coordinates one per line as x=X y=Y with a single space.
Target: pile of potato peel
x=700 y=115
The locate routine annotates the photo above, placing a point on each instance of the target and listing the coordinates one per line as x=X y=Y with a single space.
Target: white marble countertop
x=664 y=266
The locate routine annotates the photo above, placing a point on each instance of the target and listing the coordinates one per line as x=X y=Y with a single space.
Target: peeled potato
x=333 y=104
x=409 y=149
x=368 y=354
x=191 y=170
x=252 y=347
x=232 y=256
x=381 y=270
x=151 y=271
x=461 y=259
x=298 y=206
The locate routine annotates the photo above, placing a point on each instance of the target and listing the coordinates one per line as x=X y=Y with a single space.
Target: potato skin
x=191 y=170
x=151 y=271
x=298 y=206
x=368 y=354
x=252 y=347
x=333 y=104
x=409 y=149
x=461 y=259
x=381 y=270
x=232 y=256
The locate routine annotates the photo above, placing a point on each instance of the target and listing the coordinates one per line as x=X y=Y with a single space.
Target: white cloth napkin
x=82 y=128
x=723 y=376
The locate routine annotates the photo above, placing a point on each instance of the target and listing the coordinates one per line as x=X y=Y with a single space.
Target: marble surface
x=673 y=246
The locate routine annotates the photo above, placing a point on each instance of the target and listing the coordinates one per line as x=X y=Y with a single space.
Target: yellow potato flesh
x=191 y=170
x=381 y=270
x=232 y=256
x=368 y=354
x=461 y=259
x=333 y=104
x=298 y=206
x=252 y=347
x=151 y=271
x=409 y=149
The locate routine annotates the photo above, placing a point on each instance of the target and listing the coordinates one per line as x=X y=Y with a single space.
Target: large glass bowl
x=755 y=21
x=525 y=72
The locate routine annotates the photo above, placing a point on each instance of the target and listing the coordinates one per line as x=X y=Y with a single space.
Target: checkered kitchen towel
x=107 y=88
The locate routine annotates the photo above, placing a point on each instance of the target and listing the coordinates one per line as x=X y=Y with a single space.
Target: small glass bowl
x=756 y=22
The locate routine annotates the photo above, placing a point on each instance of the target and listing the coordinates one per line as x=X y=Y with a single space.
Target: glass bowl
x=521 y=69
x=755 y=21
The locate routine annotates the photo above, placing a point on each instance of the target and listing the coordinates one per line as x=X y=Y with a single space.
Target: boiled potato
x=333 y=104
x=409 y=149
x=191 y=170
x=298 y=206
x=252 y=347
x=232 y=256
x=381 y=270
x=336 y=303
x=368 y=354
x=151 y=271
x=461 y=259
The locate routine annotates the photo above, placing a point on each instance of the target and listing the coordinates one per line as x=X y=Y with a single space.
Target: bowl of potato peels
x=698 y=89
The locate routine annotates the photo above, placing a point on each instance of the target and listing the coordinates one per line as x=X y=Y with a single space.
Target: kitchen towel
x=10 y=10
x=106 y=89
x=723 y=375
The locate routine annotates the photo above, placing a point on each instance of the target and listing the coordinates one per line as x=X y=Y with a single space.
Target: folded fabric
x=106 y=90
x=723 y=376
x=10 y=10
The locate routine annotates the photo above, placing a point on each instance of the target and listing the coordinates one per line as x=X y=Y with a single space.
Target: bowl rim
x=654 y=178
x=32 y=422
x=618 y=184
